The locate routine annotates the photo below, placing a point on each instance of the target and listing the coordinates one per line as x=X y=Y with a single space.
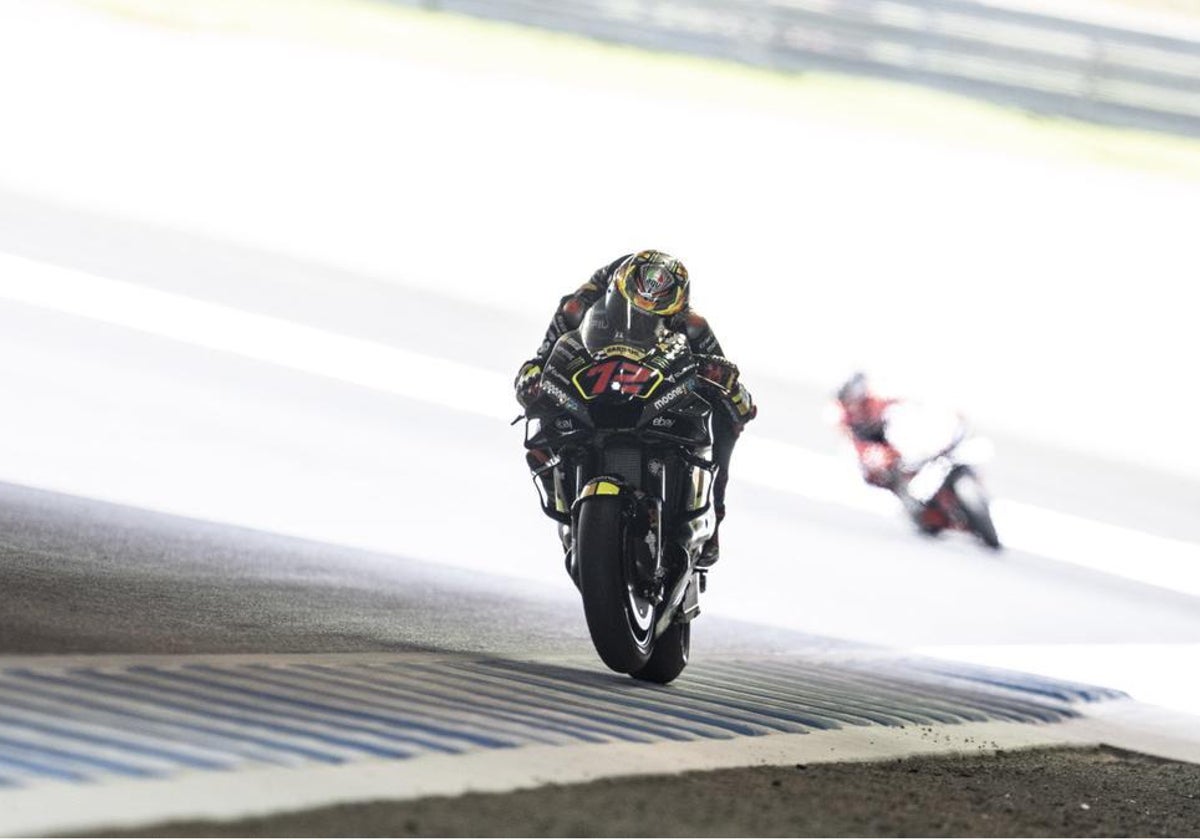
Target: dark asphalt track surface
x=80 y=576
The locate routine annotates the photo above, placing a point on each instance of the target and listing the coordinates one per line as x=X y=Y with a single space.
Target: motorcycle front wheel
x=670 y=655
x=619 y=619
x=973 y=501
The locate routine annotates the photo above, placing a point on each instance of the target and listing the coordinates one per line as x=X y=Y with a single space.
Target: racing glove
x=743 y=404
x=724 y=374
x=528 y=383
x=719 y=371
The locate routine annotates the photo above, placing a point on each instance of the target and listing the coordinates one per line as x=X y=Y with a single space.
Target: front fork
x=642 y=522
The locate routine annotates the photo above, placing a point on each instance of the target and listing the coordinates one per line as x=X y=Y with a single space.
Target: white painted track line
x=275 y=341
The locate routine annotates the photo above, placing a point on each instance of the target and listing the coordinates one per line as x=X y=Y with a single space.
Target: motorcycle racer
x=863 y=420
x=658 y=283
x=922 y=454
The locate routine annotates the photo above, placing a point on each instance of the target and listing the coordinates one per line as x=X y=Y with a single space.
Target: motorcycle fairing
x=654 y=447
x=667 y=410
x=929 y=479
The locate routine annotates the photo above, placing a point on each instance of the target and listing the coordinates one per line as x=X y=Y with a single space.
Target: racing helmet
x=654 y=282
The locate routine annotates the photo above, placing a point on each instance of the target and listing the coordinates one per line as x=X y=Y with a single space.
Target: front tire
x=974 y=503
x=670 y=655
x=620 y=621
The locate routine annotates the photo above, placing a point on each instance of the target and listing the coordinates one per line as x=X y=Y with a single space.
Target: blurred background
x=275 y=264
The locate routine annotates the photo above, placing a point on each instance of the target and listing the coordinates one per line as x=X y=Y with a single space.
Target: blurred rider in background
x=655 y=282
x=864 y=422
x=882 y=431
x=902 y=444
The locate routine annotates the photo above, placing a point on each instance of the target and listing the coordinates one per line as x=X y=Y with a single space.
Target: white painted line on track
x=1111 y=549
x=1136 y=555
x=276 y=341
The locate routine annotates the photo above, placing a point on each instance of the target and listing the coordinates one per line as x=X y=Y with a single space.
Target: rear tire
x=974 y=503
x=620 y=622
x=670 y=655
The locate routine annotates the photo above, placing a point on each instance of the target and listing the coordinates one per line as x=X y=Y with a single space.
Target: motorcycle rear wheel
x=971 y=497
x=620 y=621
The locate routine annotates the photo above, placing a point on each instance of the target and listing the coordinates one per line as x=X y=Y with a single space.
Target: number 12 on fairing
x=617 y=375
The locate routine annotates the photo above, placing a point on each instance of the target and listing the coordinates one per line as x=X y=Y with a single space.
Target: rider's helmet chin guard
x=653 y=282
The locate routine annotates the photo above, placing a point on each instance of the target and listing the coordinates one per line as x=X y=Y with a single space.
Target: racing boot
x=711 y=552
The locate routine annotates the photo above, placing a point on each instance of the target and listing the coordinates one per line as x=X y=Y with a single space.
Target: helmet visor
x=656 y=284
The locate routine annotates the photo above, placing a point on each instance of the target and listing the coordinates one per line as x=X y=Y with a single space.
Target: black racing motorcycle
x=623 y=410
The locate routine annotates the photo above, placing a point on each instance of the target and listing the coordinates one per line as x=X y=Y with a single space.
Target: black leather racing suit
x=731 y=414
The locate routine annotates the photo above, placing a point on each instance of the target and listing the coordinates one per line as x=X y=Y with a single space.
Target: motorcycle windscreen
x=614 y=320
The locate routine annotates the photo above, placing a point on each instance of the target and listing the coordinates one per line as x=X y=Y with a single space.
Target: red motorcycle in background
x=924 y=456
